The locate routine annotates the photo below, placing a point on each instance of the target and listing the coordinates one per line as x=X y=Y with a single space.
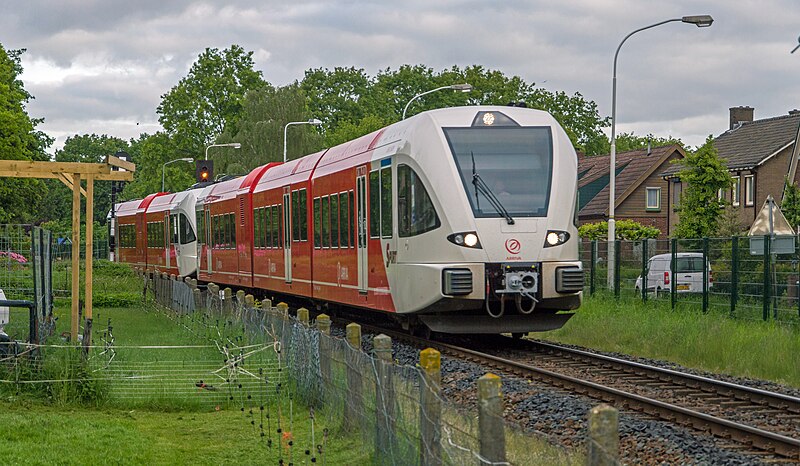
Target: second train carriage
x=451 y=218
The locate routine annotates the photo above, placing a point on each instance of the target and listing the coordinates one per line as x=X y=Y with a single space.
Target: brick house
x=757 y=155
x=640 y=190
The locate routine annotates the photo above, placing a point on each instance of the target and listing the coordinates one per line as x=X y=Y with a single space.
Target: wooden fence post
x=384 y=400
x=352 y=402
x=430 y=409
x=490 y=419
x=603 y=444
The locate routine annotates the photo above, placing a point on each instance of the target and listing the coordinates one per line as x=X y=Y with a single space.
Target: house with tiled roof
x=759 y=155
x=639 y=187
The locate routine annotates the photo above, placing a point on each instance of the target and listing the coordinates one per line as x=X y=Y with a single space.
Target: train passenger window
x=295 y=216
x=201 y=226
x=215 y=231
x=350 y=217
x=374 y=204
x=232 y=221
x=326 y=222
x=386 y=202
x=344 y=219
x=303 y=215
x=186 y=233
x=264 y=227
x=415 y=211
x=317 y=223
x=334 y=221
x=276 y=221
x=257 y=228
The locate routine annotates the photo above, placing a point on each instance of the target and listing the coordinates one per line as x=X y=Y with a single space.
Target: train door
x=167 y=241
x=361 y=226
x=175 y=244
x=287 y=235
x=209 y=239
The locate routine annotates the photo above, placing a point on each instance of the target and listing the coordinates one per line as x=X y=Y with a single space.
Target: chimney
x=740 y=115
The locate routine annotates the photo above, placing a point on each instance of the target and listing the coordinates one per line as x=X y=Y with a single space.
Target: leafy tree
x=630 y=141
x=86 y=148
x=348 y=95
x=624 y=229
x=703 y=175
x=790 y=205
x=265 y=112
x=149 y=153
x=209 y=99
x=729 y=222
x=19 y=140
x=348 y=131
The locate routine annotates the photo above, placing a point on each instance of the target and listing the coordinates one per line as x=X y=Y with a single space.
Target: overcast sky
x=101 y=66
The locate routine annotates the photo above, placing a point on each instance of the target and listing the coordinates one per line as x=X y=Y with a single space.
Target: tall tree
x=86 y=148
x=265 y=113
x=209 y=99
x=790 y=205
x=19 y=140
x=630 y=141
x=703 y=175
x=150 y=152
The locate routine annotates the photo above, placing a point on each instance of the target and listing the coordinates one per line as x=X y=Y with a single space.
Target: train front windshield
x=515 y=163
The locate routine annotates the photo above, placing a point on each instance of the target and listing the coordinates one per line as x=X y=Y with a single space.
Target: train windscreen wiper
x=480 y=186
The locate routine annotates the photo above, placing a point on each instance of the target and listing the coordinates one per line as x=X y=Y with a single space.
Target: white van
x=688 y=276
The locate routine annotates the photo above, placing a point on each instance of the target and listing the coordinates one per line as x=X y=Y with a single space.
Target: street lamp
x=164 y=167
x=455 y=87
x=235 y=145
x=699 y=21
x=312 y=121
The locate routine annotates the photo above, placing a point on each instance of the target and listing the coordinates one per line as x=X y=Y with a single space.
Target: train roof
x=172 y=201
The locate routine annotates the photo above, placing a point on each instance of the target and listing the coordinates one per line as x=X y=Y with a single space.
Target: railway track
x=756 y=422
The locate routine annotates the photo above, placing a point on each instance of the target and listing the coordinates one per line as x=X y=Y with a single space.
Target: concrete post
x=324 y=327
x=384 y=400
x=283 y=310
x=227 y=304
x=430 y=409
x=213 y=291
x=250 y=301
x=490 y=419
x=302 y=316
x=240 y=297
x=171 y=292
x=352 y=403
x=199 y=305
x=603 y=444
x=266 y=306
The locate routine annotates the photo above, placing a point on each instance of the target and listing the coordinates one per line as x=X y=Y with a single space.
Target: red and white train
x=460 y=219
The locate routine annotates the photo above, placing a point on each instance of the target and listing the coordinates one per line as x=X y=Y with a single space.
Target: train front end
x=505 y=256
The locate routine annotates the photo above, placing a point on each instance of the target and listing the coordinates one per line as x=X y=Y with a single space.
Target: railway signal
x=204 y=171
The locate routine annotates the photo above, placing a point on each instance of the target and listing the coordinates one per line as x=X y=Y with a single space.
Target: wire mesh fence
x=743 y=277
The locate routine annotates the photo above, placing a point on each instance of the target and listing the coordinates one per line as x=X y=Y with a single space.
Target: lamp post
x=235 y=145
x=699 y=21
x=456 y=87
x=164 y=167
x=312 y=121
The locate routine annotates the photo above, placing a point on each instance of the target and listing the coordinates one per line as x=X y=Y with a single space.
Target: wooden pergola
x=71 y=174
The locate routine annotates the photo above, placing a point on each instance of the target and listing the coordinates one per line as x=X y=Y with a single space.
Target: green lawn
x=712 y=341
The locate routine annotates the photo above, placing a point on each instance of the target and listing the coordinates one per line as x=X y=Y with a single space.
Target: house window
x=677 y=189
x=748 y=190
x=737 y=183
x=653 y=198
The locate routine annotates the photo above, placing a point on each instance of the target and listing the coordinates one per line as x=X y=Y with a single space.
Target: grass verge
x=711 y=342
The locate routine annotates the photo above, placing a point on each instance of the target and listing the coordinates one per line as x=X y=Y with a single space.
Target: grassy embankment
x=712 y=342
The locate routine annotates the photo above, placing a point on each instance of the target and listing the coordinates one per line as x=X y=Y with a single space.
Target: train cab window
x=334 y=221
x=317 y=223
x=374 y=204
x=386 y=202
x=185 y=229
x=326 y=222
x=344 y=218
x=415 y=211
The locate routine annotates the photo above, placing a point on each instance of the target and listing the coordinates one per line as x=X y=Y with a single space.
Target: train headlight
x=555 y=238
x=467 y=239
